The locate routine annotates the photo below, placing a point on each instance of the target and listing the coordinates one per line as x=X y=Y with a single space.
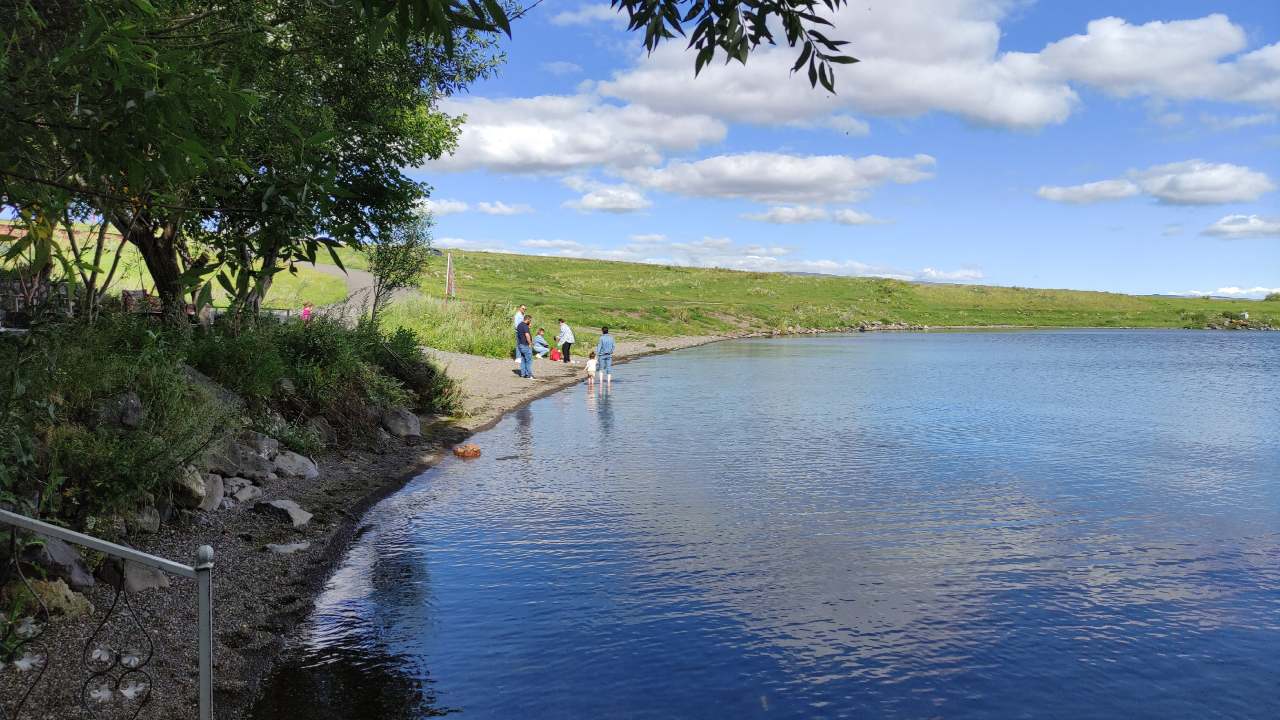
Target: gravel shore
x=259 y=596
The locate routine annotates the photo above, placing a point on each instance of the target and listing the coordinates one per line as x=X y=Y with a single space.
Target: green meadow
x=658 y=300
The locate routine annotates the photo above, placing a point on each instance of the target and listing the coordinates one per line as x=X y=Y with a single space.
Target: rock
x=288 y=549
x=248 y=493
x=61 y=561
x=165 y=509
x=286 y=510
x=146 y=520
x=324 y=431
x=294 y=465
x=56 y=596
x=264 y=445
x=124 y=410
x=213 y=493
x=233 y=485
x=285 y=387
x=249 y=456
x=188 y=488
x=203 y=381
x=401 y=423
x=469 y=450
x=384 y=437
x=135 y=578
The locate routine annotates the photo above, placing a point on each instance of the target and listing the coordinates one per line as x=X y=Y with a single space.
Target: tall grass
x=473 y=328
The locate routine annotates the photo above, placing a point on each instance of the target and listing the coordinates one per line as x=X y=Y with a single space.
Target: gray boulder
x=204 y=382
x=285 y=387
x=124 y=410
x=248 y=456
x=61 y=561
x=248 y=493
x=132 y=577
x=401 y=423
x=288 y=549
x=213 y=493
x=294 y=465
x=324 y=431
x=146 y=520
x=233 y=485
x=286 y=510
x=264 y=445
x=188 y=488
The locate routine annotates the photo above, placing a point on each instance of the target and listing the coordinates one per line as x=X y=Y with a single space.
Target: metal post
x=204 y=589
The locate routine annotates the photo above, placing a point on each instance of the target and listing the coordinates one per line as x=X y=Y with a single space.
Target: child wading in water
x=591 y=368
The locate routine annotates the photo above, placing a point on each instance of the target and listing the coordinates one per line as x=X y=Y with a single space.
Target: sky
x=1123 y=146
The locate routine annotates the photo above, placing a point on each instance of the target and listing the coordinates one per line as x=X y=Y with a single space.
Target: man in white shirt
x=565 y=339
x=515 y=322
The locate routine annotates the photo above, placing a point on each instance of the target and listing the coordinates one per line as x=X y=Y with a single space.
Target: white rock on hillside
x=294 y=465
x=401 y=423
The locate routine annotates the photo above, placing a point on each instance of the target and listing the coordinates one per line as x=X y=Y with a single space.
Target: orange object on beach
x=470 y=450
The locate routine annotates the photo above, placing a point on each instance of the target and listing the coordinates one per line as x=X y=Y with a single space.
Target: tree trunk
x=161 y=257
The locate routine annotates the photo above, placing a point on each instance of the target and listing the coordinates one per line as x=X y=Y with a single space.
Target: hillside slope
x=658 y=300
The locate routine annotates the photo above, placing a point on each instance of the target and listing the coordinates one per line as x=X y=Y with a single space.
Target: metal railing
x=102 y=663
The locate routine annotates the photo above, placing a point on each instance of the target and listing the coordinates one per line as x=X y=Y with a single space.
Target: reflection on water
x=1065 y=524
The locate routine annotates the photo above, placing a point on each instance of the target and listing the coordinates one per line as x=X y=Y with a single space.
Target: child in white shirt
x=591 y=368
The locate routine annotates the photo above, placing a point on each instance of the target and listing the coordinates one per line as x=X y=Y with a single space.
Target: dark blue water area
x=1053 y=524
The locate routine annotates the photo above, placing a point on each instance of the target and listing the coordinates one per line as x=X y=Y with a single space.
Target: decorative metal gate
x=110 y=673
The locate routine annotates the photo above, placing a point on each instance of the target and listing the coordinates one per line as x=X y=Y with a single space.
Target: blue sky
x=1127 y=146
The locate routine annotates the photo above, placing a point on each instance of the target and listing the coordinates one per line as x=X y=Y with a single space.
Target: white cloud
x=1089 y=192
x=1244 y=226
x=442 y=206
x=1218 y=122
x=500 y=208
x=775 y=177
x=610 y=198
x=848 y=124
x=588 y=14
x=1195 y=182
x=1192 y=182
x=849 y=216
x=648 y=238
x=795 y=214
x=950 y=275
x=921 y=56
x=561 y=133
x=790 y=214
x=562 y=67
x=1235 y=292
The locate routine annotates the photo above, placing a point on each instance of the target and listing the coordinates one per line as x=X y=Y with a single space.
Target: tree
x=732 y=28
x=243 y=135
x=397 y=258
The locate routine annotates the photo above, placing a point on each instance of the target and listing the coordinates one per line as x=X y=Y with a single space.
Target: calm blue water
x=961 y=525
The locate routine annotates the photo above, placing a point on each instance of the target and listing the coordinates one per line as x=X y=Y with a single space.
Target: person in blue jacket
x=604 y=356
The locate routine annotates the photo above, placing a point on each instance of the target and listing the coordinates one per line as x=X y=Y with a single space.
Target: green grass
x=655 y=300
x=287 y=290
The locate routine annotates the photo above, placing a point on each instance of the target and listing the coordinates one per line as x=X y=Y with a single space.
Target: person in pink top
x=306 y=312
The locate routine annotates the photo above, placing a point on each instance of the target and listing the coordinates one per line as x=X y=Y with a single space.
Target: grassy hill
x=658 y=300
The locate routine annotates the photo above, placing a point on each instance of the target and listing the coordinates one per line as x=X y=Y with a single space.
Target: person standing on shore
x=524 y=349
x=565 y=340
x=604 y=355
x=515 y=323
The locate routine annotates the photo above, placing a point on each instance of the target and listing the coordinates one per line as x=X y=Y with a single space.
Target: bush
x=68 y=461
x=1272 y=297
x=250 y=363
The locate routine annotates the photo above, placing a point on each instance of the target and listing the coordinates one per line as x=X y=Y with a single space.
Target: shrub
x=248 y=363
x=77 y=466
x=1272 y=297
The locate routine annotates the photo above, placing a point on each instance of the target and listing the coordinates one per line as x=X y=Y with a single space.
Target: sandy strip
x=491 y=387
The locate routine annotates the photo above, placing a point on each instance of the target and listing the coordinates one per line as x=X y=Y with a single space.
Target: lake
x=1050 y=524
